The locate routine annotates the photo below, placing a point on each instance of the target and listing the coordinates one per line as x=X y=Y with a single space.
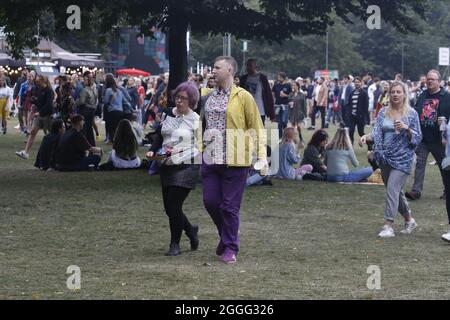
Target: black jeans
x=346 y=115
x=114 y=118
x=323 y=112
x=446 y=177
x=106 y=119
x=356 y=121
x=89 y=116
x=173 y=198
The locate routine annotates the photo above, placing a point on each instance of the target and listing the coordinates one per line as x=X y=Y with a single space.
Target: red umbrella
x=133 y=72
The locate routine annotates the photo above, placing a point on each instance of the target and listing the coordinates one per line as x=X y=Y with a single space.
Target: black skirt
x=184 y=176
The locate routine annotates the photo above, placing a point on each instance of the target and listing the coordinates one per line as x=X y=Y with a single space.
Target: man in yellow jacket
x=233 y=129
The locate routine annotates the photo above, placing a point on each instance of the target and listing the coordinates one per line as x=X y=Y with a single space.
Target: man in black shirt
x=432 y=104
x=73 y=148
x=281 y=91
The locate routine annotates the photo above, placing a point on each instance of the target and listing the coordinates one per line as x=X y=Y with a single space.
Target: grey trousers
x=422 y=152
x=394 y=181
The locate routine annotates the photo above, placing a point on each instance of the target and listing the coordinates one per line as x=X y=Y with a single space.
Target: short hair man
x=258 y=85
x=229 y=113
x=432 y=104
x=281 y=91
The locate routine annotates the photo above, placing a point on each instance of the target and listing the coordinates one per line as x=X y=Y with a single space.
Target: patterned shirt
x=397 y=152
x=216 y=124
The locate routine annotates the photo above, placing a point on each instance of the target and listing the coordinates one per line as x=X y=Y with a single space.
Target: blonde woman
x=290 y=146
x=396 y=136
x=383 y=100
x=339 y=153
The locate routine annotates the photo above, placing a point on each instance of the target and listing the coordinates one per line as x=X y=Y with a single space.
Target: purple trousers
x=223 y=188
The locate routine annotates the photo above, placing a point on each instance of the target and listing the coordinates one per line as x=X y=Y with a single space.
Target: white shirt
x=6 y=95
x=316 y=92
x=370 y=92
x=179 y=134
x=343 y=92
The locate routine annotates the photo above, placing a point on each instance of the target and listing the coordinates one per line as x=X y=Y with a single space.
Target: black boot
x=193 y=237
x=174 y=250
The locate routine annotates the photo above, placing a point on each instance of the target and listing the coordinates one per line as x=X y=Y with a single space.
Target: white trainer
x=22 y=154
x=409 y=227
x=446 y=237
x=386 y=232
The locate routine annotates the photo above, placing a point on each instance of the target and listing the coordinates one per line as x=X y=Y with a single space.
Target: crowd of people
x=187 y=132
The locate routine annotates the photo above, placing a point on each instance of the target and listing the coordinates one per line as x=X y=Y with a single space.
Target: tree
x=353 y=48
x=383 y=48
x=269 y=20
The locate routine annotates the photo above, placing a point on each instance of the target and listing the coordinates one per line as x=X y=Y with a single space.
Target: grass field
x=299 y=240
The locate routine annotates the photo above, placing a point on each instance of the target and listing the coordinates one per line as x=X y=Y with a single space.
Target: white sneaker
x=446 y=237
x=386 y=232
x=409 y=227
x=22 y=154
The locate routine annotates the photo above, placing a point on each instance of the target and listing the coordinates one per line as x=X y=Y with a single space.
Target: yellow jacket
x=245 y=129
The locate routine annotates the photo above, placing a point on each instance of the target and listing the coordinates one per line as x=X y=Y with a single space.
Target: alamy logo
x=74 y=20
x=374 y=21
x=374 y=280
x=74 y=281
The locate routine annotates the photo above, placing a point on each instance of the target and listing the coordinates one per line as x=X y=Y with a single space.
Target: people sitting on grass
x=125 y=148
x=368 y=139
x=314 y=155
x=46 y=157
x=338 y=152
x=289 y=156
x=74 y=153
x=256 y=178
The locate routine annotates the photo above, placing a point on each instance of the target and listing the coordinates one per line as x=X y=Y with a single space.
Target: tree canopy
x=353 y=49
x=273 y=21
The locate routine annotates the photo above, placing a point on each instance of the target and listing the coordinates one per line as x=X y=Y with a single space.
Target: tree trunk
x=178 y=60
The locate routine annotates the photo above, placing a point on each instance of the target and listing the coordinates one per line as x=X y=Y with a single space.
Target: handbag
x=336 y=107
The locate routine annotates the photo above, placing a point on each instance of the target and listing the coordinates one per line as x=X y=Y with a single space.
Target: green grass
x=299 y=240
